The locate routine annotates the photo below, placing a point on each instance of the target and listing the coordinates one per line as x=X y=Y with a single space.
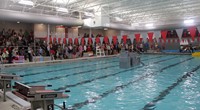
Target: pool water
x=164 y=82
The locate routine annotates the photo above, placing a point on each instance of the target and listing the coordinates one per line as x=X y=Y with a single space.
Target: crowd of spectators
x=14 y=44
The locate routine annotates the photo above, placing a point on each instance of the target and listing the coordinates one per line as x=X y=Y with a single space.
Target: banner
x=119 y=39
x=150 y=35
x=179 y=33
x=70 y=41
x=101 y=39
x=79 y=40
x=54 y=39
x=97 y=40
x=124 y=38
x=90 y=40
x=144 y=36
x=93 y=40
x=137 y=37
x=114 y=39
x=110 y=39
x=76 y=41
x=59 y=40
x=83 y=41
x=106 y=40
x=192 y=32
x=132 y=38
x=164 y=35
x=157 y=35
x=86 y=41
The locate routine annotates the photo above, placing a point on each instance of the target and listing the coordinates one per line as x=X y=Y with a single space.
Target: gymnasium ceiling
x=136 y=13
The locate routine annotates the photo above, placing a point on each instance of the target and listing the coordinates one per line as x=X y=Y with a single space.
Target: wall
x=93 y=31
x=14 y=25
x=40 y=30
x=112 y=32
x=73 y=32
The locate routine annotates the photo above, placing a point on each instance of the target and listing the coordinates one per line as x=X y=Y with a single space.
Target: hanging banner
x=150 y=36
x=124 y=38
x=101 y=40
x=106 y=40
x=192 y=32
x=141 y=39
x=164 y=35
x=110 y=39
x=79 y=40
x=82 y=41
x=54 y=39
x=64 y=41
x=157 y=35
x=119 y=39
x=137 y=37
x=86 y=41
x=90 y=41
x=144 y=36
x=179 y=33
x=97 y=40
x=76 y=41
x=132 y=38
x=198 y=27
x=70 y=41
x=93 y=40
x=50 y=39
x=59 y=40
x=114 y=39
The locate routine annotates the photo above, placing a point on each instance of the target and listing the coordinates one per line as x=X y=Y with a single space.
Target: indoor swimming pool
x=163 y=82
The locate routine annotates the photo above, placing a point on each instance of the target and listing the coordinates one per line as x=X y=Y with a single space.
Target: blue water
x=99 y=84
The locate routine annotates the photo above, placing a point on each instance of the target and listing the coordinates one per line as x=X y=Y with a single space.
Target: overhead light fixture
x=62 y=10
x=63 y=1
x=118 y=19
x=189 y=21
x=26 y=2
x=149 y=25
x=89 y=14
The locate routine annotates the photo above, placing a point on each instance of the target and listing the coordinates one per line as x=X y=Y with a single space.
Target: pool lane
x=76 y=67
x=93 y=70
x=109 y=75
x=120 y=87
x=152 y=104
x=63 y=63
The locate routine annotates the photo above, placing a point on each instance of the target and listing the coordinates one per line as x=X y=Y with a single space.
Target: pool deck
x=9 y=104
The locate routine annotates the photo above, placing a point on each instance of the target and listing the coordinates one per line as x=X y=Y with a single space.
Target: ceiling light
x=189 y=21
x=118 y=19
x=89 y=14
x=26 y=2
x=149 y=25
x=63 y=1
x=62 y=10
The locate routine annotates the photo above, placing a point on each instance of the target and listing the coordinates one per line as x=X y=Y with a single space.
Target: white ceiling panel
x=160 y=12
